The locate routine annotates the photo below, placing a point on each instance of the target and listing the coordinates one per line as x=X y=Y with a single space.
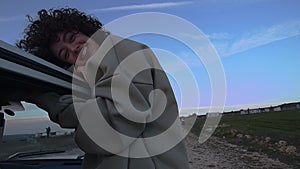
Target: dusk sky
x=257 y=41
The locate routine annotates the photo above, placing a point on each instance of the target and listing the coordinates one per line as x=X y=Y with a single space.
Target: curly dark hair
x=40 y=33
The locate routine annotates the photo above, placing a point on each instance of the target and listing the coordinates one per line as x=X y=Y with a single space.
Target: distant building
x=248 y=111
x=213 y=114
x=183 y=119
x=290 y=106
x=287 y=106
x=38 y=135
x=277 y=108
x=254 y=111
x=244 y=111
x=232 y=113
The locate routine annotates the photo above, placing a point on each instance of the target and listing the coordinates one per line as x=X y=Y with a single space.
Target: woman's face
x=73 y=47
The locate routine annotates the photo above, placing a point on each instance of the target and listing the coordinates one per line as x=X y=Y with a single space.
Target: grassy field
x=271 y=133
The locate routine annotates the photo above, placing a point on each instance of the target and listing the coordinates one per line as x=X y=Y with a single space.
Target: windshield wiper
x=33 y=152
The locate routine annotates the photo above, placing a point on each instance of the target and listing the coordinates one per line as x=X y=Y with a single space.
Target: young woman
x=65 y=37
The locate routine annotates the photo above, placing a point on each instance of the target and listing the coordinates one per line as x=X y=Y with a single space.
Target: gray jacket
x=61 y=110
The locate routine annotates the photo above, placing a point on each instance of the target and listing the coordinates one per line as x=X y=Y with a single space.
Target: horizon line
x=241 y=105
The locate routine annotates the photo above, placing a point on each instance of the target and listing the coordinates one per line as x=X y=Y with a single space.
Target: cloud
x=144 y=6
x=11 y=18
x=220 y=36
x=233 y=3
x=229 y=44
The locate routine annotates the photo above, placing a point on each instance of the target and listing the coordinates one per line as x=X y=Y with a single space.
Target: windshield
x=33 y=135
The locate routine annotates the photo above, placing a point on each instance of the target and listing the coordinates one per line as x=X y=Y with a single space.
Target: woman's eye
x=64 y=54
x=72 y=37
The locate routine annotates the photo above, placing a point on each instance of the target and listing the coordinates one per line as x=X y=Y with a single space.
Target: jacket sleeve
x=59 y=108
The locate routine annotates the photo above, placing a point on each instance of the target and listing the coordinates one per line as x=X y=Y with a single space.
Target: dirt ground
x=214 y=153
x=217 y=153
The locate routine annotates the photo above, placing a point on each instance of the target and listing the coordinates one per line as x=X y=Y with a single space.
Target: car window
x=31 y=130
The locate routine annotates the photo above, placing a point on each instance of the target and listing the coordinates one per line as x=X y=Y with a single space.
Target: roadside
x=217 y=153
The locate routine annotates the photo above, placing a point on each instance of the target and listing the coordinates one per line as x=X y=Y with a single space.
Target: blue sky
x=257 y=40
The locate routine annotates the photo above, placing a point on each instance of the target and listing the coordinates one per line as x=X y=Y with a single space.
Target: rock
x=239 y=135
x=281 y=143
x=218 y=153
x=271 y=148
x=282 y=149
x=261 y=142
x=267 y=139
x=233 y=132
x=248 y=136
x=291 y=149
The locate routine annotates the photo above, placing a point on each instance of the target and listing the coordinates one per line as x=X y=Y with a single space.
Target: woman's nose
x=75 y=49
